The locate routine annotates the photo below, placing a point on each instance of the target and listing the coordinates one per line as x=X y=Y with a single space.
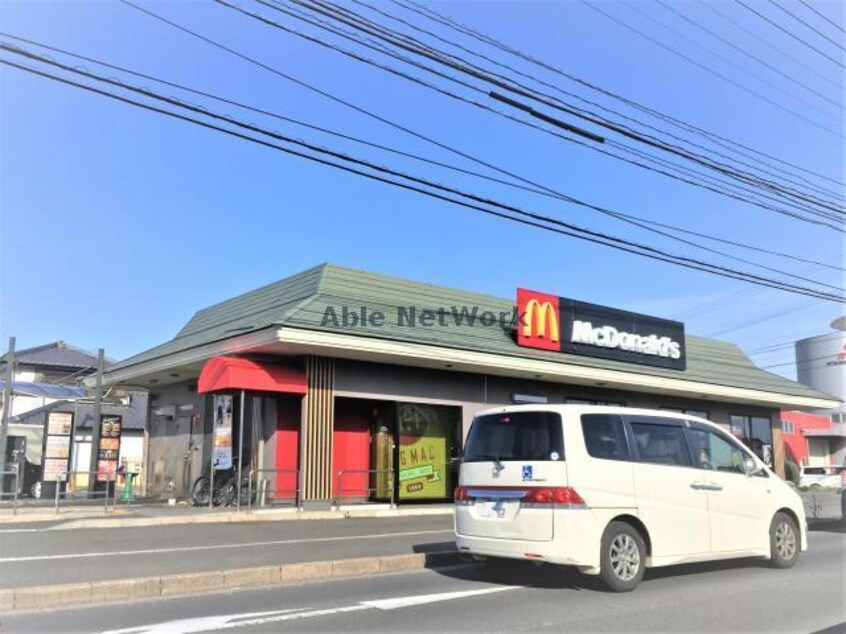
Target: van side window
x=660 y=444
x=715 y=453
x=604 y=436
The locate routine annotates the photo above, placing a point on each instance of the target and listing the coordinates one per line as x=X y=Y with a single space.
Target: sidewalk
x=158 y=514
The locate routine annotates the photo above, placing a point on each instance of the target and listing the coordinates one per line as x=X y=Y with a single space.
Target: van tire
x=622 y=560
x=784 y=541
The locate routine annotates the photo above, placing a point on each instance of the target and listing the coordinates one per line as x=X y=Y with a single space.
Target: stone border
x=262 y=515
x=120 y=590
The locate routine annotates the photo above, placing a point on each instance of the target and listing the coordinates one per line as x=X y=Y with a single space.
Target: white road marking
x=153 y=551
x=233 y=621
x=422 y=599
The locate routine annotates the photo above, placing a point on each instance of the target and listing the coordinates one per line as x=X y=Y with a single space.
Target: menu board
x=59 y=424
x=109 y=447
x=55 y=467
x=57 y=445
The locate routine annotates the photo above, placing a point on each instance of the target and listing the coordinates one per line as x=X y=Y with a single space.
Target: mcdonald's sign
x=539 y=320
x=555 y=323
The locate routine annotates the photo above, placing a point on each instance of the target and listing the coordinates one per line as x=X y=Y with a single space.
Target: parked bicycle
x=225 y=491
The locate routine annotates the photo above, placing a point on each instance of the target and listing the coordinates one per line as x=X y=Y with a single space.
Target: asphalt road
x=739 y=596
x=37 y=556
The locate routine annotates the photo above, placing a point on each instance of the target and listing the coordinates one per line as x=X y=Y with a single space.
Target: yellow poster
x=424 y=452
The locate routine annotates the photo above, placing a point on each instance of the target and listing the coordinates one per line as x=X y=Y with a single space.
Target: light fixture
x=534 y=399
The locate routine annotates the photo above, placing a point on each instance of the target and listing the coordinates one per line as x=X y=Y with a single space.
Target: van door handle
x=706 y=486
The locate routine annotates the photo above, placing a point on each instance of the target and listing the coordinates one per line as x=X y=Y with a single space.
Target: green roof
x=302 y=301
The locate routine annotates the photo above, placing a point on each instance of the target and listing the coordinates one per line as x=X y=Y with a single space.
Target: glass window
x=515 y=436
x=787 y=426
x=756 y=433
x=426 y=446
x=585 y=401
x=660 y=444
x=700 y=413
x=604 y=437
x=712 y=452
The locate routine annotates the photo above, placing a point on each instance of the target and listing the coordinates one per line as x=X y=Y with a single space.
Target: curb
x=119 y=590
x=219 y=518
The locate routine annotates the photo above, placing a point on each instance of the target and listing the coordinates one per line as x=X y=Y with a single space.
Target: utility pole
x=95 y=425
x=7 y=409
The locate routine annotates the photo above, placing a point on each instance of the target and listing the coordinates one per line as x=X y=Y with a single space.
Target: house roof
x=57 y=354
x=301 y=302
x=134 y=415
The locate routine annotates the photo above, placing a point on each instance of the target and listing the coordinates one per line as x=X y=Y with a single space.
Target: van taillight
x=461 y=494
x=552 y=495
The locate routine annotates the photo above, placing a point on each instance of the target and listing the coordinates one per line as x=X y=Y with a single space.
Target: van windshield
x=515 y=436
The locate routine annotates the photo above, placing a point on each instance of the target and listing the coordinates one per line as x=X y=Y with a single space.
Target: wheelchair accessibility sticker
x=528 y=473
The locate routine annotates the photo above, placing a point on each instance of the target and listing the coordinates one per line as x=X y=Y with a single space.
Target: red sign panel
x=539 y=320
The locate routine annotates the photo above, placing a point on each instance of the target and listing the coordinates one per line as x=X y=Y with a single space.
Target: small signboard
x=109 y=447
x=56 y=450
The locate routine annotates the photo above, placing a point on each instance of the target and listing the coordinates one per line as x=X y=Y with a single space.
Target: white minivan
x=614 y=490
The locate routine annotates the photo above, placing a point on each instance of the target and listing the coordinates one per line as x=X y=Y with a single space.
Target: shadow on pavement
x=827 y=526
x=522 y=573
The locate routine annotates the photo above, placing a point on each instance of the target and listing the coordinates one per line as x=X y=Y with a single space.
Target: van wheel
x=784 y=541
x=623 y=557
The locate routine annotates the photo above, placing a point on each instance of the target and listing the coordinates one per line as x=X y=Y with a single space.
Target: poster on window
x=223 y=431
x=59 y=424
x=424 y=434
x=106 y=470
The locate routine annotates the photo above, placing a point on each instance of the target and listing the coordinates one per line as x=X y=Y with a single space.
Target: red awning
x=235 y=373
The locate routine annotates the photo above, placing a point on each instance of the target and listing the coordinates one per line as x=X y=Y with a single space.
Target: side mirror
x=750 y=467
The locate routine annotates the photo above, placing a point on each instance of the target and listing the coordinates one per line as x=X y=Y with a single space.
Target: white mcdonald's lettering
x=609 y=337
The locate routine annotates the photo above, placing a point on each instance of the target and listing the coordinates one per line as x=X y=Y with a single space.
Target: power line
x=768 y=317
x=636 y=220
x=800 y=206
x=778 y=347
x=788 y=32
x=710 y=70
x=383 y=174
x=711 y=6
x=801 y=21
x=722 y=141
x=462 y=66
x=823 y=16
x=745 y=52
x=789 y=177
x=335 y=98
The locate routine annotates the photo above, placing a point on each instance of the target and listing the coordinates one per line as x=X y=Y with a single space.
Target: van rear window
x=515 y=436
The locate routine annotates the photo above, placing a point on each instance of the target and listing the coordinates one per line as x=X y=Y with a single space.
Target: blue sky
x=117 y=224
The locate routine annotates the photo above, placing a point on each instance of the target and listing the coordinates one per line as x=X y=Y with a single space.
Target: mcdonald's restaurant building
x=348 y=385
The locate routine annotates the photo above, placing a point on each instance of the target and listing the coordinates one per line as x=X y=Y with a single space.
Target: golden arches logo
x=537 y=317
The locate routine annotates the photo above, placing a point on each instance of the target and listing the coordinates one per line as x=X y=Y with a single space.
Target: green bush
x=791 y=470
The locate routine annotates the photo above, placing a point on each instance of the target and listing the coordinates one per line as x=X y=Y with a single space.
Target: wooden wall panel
x=317 y=423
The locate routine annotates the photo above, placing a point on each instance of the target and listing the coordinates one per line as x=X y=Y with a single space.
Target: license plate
x=494 y=508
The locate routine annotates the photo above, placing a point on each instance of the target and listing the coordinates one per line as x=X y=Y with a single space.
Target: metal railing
x=264 y=492
x=339 y=490
x=14 y=492
x=86 y=494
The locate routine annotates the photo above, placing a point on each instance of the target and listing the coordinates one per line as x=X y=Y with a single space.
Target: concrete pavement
x=744 y=595
x=33 y=556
